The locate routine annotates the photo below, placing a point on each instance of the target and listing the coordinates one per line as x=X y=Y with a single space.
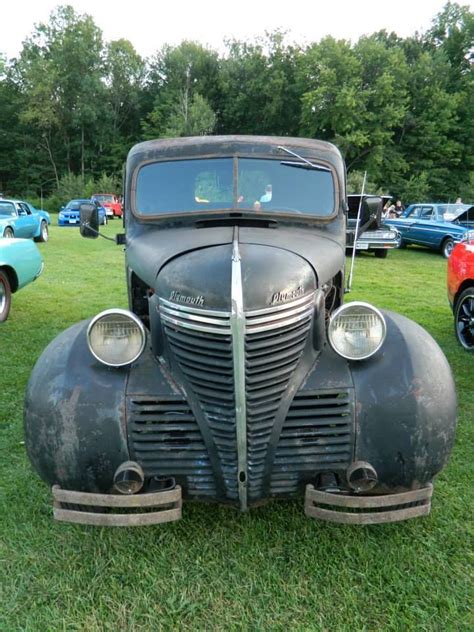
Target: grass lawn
x=271 y=568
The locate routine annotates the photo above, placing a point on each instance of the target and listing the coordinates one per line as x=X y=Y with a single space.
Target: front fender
x=75 y=415
x=405 y=406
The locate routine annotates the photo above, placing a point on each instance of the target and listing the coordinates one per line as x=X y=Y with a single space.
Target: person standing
x=399 y=208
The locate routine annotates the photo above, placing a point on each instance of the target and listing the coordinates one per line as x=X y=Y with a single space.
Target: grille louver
x=317 y=435
x=165 y=439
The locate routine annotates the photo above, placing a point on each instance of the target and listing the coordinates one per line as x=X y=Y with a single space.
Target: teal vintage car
x=21 y=219
x=20 y=264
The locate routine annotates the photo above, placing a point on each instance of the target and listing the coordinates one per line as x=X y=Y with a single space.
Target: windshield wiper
x=304 y=164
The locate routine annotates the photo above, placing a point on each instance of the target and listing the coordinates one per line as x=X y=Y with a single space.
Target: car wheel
x=464 y=319
x=381 y=253
x=44 y=233
x=5 y=296
x=447 y=247
x=8 y=233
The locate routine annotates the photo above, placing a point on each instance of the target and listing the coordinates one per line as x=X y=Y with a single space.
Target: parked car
x=110 y=202
x=20 y=264
x=461 y=290
x=69 y=214
x=373 y=235
x=436 y=226
x=237 y=374
x=20 y=219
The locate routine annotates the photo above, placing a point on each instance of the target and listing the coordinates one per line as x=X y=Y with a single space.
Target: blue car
x=20 y=263
x=69 y=215
x=435 y=226
x=20 y=219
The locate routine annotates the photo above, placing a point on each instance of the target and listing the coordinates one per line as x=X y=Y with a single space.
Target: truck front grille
x=201 y=342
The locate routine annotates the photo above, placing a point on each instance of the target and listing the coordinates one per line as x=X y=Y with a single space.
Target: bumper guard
x=335 y=507
x=140 y=509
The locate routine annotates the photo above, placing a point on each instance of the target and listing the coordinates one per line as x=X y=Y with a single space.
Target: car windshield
x=74 y=205
x=104 y=198
x=247 y=184
x=7 y=209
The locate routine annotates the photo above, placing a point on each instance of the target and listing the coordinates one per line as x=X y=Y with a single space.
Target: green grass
x=271 y=568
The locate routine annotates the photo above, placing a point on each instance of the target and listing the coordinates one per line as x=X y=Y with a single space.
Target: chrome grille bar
x=238 y=345
x=207 y=321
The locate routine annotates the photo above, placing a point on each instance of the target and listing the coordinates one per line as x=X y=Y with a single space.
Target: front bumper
x=374 y=240
x=104 y=510
x=69 y=221
x=334 y=507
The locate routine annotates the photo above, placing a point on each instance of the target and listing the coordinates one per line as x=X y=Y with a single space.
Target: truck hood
x=321 y=250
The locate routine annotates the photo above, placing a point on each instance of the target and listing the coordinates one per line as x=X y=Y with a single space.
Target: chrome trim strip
x=280 y=317
x=237 y=321
x=282 y=323
x=193 y=317
x=193 y=310
x=226 y=331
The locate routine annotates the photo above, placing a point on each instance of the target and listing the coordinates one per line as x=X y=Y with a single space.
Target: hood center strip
x=237 y=321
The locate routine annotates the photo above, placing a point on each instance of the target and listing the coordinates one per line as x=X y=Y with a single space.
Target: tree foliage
x=401 y=109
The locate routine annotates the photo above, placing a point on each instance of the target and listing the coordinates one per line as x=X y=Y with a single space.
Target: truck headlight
x=116 y=337
x=356 y=331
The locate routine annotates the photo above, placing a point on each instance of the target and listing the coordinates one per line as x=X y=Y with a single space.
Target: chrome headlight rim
x=345 y=307
x=121 y=312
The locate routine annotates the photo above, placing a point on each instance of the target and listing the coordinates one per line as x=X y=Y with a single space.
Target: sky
x=151 y=24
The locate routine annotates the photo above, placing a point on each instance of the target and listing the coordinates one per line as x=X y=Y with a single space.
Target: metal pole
x=349 y=283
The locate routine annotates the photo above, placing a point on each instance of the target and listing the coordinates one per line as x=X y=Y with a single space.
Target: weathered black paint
x=404 y=408
x=75 y=415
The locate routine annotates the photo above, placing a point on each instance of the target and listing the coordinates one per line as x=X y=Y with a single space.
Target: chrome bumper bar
x=106 y=510
x=375 y=245
x=347 y=509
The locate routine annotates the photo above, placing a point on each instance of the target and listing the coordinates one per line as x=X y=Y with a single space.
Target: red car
x=461 y=290
x=110 y=202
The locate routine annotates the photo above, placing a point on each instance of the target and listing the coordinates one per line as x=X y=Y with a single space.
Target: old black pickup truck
x=238 y=373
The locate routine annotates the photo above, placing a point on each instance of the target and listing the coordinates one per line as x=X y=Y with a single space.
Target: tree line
x=71 y=106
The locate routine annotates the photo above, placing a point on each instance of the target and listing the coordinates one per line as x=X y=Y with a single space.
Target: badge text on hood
x=188 y=300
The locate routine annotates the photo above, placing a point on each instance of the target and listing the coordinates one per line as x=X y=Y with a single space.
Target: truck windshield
x=244 y=184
